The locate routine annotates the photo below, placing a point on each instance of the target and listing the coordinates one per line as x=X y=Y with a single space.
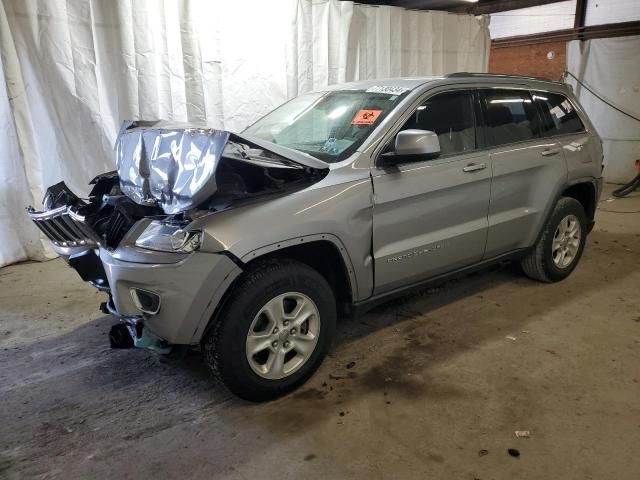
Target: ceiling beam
x=424 y=4
x=485 y=7
x=582 y=33
x=419 y=4
x=581 y=13
x=482 y=7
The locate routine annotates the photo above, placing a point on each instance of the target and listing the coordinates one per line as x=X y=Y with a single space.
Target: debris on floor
x=510 y=337
x=522 y=433
x=515 y=453
x=483 y=452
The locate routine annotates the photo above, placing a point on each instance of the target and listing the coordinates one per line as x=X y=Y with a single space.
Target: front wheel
x=560 y=246
x=275 y=330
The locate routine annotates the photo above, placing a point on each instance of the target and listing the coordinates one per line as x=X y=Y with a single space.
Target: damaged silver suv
x=251 y=245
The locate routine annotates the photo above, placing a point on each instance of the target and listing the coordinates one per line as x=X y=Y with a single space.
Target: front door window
x=451 y=116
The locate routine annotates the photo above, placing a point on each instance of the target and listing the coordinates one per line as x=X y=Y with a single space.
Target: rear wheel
x=560 y=246
x=275 y=330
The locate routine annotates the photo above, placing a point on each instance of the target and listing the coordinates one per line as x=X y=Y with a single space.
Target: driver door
x=430 y=215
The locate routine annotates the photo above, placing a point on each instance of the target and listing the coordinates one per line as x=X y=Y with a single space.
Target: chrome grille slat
x=49 y=232
x=74 y=226
x=69 y=235
x=65 y=228
x=88 y=232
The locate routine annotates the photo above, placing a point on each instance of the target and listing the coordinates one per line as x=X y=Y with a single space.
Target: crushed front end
x=97 y=238
x=77 y=227
x=131 y=237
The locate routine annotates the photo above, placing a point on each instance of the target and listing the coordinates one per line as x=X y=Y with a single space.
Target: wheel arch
x=584 y=191
x=581 y=189
x=324 y=252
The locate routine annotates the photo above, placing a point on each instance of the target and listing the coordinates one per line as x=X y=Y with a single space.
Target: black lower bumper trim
x=135 y=321
x=119 y=336
x=89 y=267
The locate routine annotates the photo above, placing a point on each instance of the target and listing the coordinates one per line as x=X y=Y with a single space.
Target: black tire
x=539 y=263
x=225 y=345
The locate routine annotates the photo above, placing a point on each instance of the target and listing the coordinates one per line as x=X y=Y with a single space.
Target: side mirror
x=414 y=145
x=417 y=142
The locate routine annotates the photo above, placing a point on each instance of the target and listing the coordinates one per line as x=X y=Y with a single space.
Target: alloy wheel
x=283 y=335
x=566 y=241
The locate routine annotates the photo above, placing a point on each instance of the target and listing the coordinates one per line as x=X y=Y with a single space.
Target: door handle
x=549 y=151
x=474 y=167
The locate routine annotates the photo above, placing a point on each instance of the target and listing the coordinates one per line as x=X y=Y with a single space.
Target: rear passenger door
x=560 y=120
x=528 y=169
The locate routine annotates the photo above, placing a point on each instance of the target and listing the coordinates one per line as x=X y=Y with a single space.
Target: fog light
x=147 y=302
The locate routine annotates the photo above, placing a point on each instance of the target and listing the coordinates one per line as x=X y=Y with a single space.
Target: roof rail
x=496 y=75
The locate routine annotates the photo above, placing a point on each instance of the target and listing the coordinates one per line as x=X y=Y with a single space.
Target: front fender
x=341 y=212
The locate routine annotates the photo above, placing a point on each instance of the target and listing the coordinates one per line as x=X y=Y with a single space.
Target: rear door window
x=558 y=114
x=510 y=117
x=451 y=116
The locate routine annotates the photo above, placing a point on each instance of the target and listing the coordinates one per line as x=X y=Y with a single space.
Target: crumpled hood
x=173 y=166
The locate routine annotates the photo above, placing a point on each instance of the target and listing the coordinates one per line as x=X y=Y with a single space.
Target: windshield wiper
x=242 y=152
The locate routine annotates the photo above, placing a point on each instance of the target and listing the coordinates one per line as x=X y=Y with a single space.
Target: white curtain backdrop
x=334 y=41
x=74 y=69
x=611 y=67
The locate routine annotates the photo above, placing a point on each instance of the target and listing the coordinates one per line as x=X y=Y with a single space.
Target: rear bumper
x=189 y=291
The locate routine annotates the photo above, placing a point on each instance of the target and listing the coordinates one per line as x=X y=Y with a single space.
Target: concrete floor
x=437 y=389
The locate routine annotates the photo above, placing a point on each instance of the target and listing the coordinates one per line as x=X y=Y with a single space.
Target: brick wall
x=530 y=60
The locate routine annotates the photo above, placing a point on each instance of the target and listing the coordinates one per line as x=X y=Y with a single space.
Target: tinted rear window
x=558 y=114
x=510 y=117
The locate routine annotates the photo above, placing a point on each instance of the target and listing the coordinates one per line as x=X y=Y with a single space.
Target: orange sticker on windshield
x=366 y=117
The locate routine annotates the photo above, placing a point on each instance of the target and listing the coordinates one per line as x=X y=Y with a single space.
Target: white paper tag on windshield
x=388 y=89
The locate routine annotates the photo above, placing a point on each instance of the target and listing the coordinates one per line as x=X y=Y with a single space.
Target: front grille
x=117 y=227
x=65 y=228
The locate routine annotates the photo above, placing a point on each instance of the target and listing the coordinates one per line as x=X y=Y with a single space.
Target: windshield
x=328 y=125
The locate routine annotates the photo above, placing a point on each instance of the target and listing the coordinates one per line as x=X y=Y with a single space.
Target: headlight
x=169 y=238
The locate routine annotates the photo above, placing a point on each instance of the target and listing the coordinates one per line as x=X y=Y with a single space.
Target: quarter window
x=558 y=114
x=450 y=115
x=510 y=117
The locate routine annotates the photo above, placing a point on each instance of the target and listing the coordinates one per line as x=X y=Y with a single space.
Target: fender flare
x=575 y=181
x=222 y=293
x=317 y=237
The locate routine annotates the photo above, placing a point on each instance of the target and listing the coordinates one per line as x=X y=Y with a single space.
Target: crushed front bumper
x=188 y=287
x=165 y=295
x=188 y=290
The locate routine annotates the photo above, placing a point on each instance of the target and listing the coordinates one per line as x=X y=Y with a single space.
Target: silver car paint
x=525 y=177
x=339 y=207
x=418 y=199
x=189 y=290
x=412 y=222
